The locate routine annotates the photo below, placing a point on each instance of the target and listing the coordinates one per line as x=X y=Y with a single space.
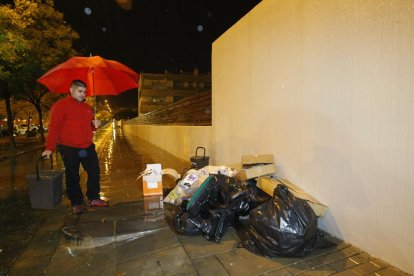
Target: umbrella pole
x=93 y=91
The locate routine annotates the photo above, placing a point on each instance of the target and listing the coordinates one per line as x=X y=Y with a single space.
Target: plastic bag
x=282 y=226
x=210 y=207
x=208 y=212
x=214 y=225
x=222 y=170
x=182 y=223
x=186 y=187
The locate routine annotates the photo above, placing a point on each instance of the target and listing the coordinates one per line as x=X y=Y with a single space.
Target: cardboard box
x=256 y=171
x=152 y=183
x=268 y=185
x=257 y=159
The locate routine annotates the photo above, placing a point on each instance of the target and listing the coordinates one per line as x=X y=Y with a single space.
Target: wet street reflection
x=121 y=160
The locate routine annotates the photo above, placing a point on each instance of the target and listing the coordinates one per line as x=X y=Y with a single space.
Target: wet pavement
x=131 y=237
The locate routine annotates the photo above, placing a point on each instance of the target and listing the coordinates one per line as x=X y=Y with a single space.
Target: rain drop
x=87 y=11
x=200 y=28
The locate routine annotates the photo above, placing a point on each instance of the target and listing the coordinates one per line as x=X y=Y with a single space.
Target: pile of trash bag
x=281 y=225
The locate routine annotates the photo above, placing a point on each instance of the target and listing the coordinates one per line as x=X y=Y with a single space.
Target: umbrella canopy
x=102 y=76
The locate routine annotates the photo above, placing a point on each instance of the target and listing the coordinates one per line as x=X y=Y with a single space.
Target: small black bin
x=199 y=161
x=45 y=187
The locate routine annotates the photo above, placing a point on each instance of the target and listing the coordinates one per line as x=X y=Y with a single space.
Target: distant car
x=23 y=128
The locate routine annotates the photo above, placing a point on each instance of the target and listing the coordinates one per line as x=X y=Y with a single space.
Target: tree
x=13 y=46
x=51 y=43
x=24 y=111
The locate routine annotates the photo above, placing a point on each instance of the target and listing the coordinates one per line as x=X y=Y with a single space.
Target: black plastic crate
x=199 y=161
x=45 y=187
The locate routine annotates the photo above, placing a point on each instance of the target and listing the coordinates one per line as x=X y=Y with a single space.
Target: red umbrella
x=102 y=76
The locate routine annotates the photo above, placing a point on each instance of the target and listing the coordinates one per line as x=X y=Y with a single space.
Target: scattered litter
x=171 y=172
x=152 y=180
x=186 y=187
x=272 y=217
x=224 y=170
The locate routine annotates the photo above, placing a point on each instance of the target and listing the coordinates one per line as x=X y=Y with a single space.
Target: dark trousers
x=72 y=158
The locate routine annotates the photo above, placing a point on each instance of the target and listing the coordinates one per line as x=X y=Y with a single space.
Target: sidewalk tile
x=138 y=225
x=210 y=265
x=145 y=243
x=240 y=260
x=73 y=261
x=198 y=246
x=168 y=261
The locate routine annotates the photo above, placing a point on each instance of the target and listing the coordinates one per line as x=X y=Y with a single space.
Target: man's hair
x=78 y=83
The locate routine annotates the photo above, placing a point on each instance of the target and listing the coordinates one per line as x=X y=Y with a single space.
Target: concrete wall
x=180 y=141
x=328 y=88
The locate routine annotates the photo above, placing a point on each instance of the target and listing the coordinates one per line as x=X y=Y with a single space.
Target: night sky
x=152 y=36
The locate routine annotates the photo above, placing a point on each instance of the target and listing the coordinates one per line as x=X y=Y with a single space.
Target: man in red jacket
x=71 y=129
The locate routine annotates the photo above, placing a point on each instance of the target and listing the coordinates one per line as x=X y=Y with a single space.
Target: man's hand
x=96 y=123
x=47 y=153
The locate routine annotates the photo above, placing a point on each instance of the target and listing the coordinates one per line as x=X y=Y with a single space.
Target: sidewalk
x=131 y=237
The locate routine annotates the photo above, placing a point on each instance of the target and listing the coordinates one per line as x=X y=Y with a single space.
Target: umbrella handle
x=93 y=91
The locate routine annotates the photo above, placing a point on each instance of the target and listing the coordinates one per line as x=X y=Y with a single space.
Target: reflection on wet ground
x=123 y=158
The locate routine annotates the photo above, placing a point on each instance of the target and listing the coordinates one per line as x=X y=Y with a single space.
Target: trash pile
x=208 y=200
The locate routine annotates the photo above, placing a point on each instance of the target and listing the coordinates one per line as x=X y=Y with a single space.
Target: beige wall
x=328 y=88
x=180 y=141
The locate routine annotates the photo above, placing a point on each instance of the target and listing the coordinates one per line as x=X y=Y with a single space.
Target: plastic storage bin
x=45 y=187
x=199 y=161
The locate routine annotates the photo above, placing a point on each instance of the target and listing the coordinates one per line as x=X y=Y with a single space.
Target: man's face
x=78 y=93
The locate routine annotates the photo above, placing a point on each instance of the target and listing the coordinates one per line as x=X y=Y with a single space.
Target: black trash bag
x=181 y=222
x=253 y=196
x=283 y=226
x=177 y=219
x=207 y=194
x=213 y=226
x=188 y=218
x=212 y=209
x=220 y=213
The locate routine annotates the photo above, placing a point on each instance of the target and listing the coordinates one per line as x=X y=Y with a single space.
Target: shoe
x=98 y=203
x=77 y=209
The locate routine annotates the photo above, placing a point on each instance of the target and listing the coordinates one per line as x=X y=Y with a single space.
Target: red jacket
x=70 y=124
